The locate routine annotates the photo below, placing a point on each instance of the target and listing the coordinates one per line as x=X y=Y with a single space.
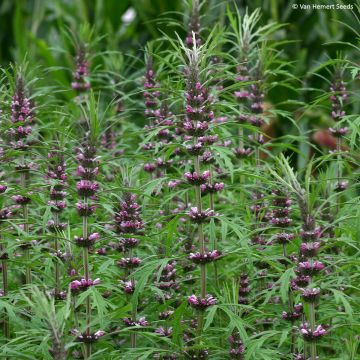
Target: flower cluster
x=77 y=286
x=87 y=171
x=242 y=152
x=211 y=188
x=244 y=289
x=199 y=258
x=194 y=26
x=194 y=178
x=200 y=216
x=199 y=303
x=127 y=215
x=131 y=323
x=81 y=81
x=22 y=116
x=87 y=242
x=56 y=177
x=128 y=221
x=163 y=331
x=129 y=263
x=55 y=226
x=293 y=315
x=311 y=295
x=84 y=209
x=279 y=216
x=167 y=280
x=237 y=348
x=21 y=200
x=338 y=97
x=150 y=94
x=87 y=338
x=254 y=97
x=310 y=268
x=258 y=208
x=312 y=335
x=128 y=286
x=5 y=214
x=125 y=244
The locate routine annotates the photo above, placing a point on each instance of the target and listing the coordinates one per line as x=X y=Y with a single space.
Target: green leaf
x=210 y=316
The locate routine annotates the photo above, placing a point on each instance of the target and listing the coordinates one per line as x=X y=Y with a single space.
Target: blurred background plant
x=43 y=33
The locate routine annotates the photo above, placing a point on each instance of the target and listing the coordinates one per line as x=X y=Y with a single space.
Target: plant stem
x=312 y=327
x=133 y=309
x=291 y=307
x=57 y=267
x=23 y=183
x=27 y=250
x=202 y=246
x=133 y=335
x=338 y=171
x=304 y=342
x=241 y=163
x=87 y=277
x=200 y=230
x=6 y=327
x=212 y=207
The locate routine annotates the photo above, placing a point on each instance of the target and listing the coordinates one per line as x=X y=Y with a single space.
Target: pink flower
x=199 y=303
x=209 y=256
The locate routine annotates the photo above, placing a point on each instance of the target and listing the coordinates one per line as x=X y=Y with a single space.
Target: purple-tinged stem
x=26 y=226
x=87 y=277
x=5 y=289
x=312 y=327
x=201 y=243
x=338 y=164
x=133 y=309
x=212 y=207
x=57 y=265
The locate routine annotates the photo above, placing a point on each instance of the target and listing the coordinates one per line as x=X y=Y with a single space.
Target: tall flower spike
x=244 y=289
x=196 y=124
x=151 y=95
x=280 y=218
x=22 y=116
x=5 y=214
x=87 y=188
x=194 y=25
x=56 y=177
x=237 y=348
x=338 y=98
x=81 y=80
x=128 y=221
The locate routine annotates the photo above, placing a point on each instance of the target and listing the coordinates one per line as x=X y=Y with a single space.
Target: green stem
x=57 y=265
x=215 y=246
x=23 y=183
x=134 y=307
x=338 y=172
x=312 y=327
x=133 y=335
x=202 y=247
x=303 y=319
x=291 y=307
x=27 y=250
x=6 y=327
x=87 y=352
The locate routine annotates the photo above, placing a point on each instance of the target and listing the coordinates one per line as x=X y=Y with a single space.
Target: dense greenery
x=179 y=180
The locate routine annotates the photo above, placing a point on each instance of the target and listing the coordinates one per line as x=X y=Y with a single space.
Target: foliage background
x=42 y=33
x=39 y=31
